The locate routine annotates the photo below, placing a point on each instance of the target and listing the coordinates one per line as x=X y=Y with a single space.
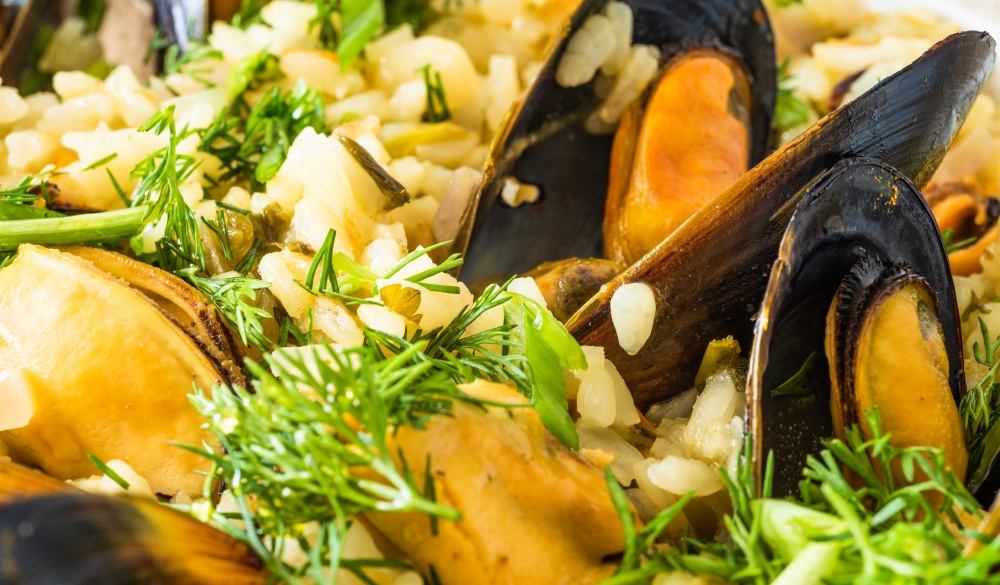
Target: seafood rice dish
x=498 y=292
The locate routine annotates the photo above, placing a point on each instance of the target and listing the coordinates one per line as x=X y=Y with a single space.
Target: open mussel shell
x=57 y=534
x=544 y=142
x=710 y=275
x=863 y=211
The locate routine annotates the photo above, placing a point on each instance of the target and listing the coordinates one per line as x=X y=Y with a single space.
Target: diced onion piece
x=17 y=400
x=137 y=484
x=707 y=433
x=382 y=319
x=679 y=476
x=527 y=287
x=626 y=455
x=657 y=495
x=12 y=106
x=516 y=194
x=633 y=308
x=595 y=399
x=625 y=412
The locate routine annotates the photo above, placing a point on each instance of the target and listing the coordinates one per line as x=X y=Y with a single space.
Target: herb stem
x=91 y=228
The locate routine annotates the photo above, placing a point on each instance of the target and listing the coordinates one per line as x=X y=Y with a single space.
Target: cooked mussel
x=533 y=511
x=886 y=350
x=99 y=355
x=862 y=291
x=677 y=150
x=711 y=273
x=52 y=533
x=545 y=141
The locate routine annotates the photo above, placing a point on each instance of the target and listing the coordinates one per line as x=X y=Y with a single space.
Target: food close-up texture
x=499 y=292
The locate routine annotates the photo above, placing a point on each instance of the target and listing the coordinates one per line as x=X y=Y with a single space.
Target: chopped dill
x=980 y=409
x=252 y=144
x=437 y=102
x=948 y=235
x=191 y=61
x=103 y=468
x=311 y=443
x=160 y=177
x=101 y=162
x=869 y=529
x=234 y=297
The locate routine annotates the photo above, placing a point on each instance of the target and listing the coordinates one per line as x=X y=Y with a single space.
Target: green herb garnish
x=948 y=235
x=253 y=144
x=437 y=102
x=796 y=385
x=234 y=298
x=789 y=110
x=980 y=409
x=161 y=175
x=103 y=468
x=310 y=443
x=833 y=532
x=89 y=228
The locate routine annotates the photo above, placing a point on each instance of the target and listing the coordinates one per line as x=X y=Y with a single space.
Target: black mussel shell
x=862 y=208
x=52 y=534
x=710 y=275
x=544 y=142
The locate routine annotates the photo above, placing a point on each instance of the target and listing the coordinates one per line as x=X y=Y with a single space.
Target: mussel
x=862 y=291
x=718 y=53
x=90 y=336
x=532 y=510
x=677 y=150
x=109 y=540
x=711 y=273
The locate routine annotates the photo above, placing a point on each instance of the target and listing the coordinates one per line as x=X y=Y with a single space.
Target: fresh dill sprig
x=334 y=274
x=249 y=260
x=250 y=74
x=452 y=262
x=289 y=328
x=485 y=355
x=161 y=175
x=437 y=101
x=234 y=297
x=980 y=409
x=218 y=227
x=29 y=190
x=311 y=444
x=323 y=23
x=252 y=144
x=102 y=162
x=530 y=350
x=191 y=62
x=866 y=530
x=338 y=276
x=789 y=110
